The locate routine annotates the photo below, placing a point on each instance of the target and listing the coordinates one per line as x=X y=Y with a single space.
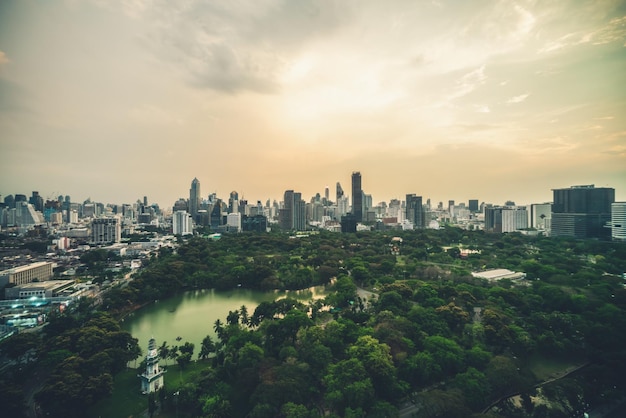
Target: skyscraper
x=194 y=198
x=286 y=213
x=233 y=202
x=357 y=197
x=339 y=192
x=414 y=210
x=299 y=212
x=582 y=211
x=181 y=223
x=618 y=221
x=106 y=230
x=541 y=216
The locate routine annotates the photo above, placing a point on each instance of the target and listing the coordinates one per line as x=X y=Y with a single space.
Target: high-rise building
x=540 y=216
x=216 y=217
x=195 y=197
x=473 y=205
x=293 y=214
x=37 y=201
x=582 y=211
x=493 y=219
x=326 y=194
x=618 y=221
x=357 y=197
x=233 y=202
x=514 y=219
x=182 y=223
x=299 y=212
x=256 y=223
x=233 y=220
x=415 y=211
x=286 y=213
x=339 y=192
x=106 y=230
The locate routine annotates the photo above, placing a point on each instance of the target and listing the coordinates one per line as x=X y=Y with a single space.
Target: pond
x=189 y=317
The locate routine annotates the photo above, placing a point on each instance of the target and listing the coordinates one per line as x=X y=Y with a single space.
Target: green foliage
x=435 y=334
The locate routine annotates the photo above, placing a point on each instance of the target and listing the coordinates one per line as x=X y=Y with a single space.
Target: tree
x=243 y=314
x=219 y=328
x=474 y=386
x=348 y=386
x=187 y=348
x=183 y=360
x=164 y=351
x=216 y=407
x=207 y=347
x=376 y=359
x=446 y=353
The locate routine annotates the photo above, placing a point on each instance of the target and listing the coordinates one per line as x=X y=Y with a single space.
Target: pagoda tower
x=152 y=377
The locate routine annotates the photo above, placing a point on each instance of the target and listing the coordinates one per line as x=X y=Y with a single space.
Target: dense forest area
x=434 y=340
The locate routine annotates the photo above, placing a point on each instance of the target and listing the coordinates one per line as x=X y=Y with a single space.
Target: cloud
x=233 y=47
x=518 y=99
x=468 y=83
x=595 y=26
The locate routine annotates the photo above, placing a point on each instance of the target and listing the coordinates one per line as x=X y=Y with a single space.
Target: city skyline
x=493 y=101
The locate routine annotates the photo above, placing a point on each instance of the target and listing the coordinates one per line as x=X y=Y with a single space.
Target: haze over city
x=450 y=100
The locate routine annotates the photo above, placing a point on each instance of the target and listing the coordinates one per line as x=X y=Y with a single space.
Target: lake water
x=191 y=315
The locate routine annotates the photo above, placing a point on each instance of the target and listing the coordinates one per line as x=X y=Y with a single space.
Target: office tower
x=106 y=230
x=505 y=219
x=195 y=198
x=357 y=197
x=24 y=215
x=216 y=218
x=243 y=207
x=256 y=223
x=348 y=223
x=514 y=219
x=450 y=206
x=286 y=213
x=339 y=192
x=540 y=216
x=582 y=211
x=9 y=201
x=473 y=205
x=327 y=193
x=343 y=205
x=37 y=201
x=233 y=220
x=145 y=200
x=415 y=211
x=182 y=223
x=299 y=212
x=618 y=221
x=233 y=202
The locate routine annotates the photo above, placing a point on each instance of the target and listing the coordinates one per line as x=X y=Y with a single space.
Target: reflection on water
x=190 y=316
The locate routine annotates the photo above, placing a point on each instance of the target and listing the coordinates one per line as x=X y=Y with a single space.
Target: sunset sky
x=493 y=100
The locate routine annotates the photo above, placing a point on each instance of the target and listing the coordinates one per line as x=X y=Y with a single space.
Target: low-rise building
x=39 y=290
x=39 y=271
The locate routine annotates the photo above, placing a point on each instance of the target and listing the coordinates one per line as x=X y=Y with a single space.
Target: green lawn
x=127 y=401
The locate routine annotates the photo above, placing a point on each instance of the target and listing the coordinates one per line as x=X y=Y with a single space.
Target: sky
x=489 y=100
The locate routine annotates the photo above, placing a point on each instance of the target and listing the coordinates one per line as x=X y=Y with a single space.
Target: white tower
x=152 y=377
